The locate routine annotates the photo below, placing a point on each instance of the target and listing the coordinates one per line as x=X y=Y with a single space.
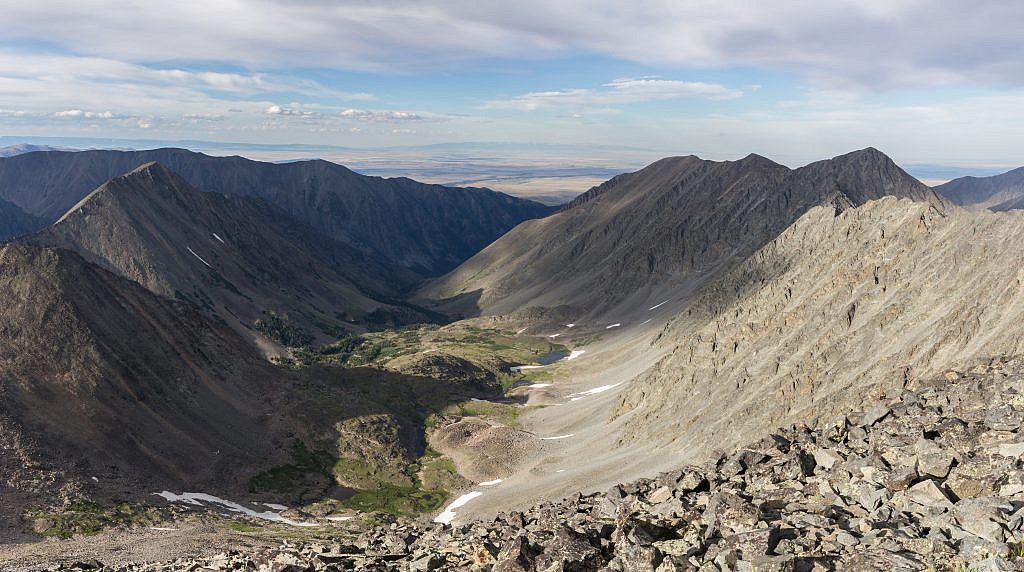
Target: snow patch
x=538 y=385
x=491 y=483
x=570 y=325
x=560 y=471
x=95 y=479
x=197 y=256
x=522 y=330
x=615 y=325
x=198 y=499
x=554 y=335
x=339 y=518
x=448 y=514
x=575 y=354
x=595 y=391
x=162 y=528
x=557 y=437
x=656 y=306
x=218 y=238
x=645 y=321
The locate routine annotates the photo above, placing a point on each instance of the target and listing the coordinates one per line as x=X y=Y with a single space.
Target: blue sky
x=926 y=81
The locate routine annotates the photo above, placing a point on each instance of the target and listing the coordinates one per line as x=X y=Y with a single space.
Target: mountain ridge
x=238 y=258
x=427 y=228
x=674 y=219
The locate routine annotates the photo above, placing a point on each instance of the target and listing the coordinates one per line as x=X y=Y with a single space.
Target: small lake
x=552 y=356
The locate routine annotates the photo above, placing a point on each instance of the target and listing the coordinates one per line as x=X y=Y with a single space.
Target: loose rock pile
x=933 y=480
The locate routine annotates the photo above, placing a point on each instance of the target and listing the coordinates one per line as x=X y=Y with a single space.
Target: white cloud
x=865 y=43
x=76 y=113
x=385 y=116
x=617 y=92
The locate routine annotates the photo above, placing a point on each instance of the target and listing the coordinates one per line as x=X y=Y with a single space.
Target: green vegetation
x=308 y=476
x=504 y=413
x=89 y=518
x=282 y=331
x=239 y=526
x=397 y=500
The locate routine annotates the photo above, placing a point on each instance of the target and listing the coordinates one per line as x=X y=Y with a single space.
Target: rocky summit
x=930 y=480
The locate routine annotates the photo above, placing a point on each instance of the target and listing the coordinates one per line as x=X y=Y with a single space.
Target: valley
x=200 y=366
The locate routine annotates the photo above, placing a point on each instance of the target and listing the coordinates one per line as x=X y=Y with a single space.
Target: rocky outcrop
x=931 y=479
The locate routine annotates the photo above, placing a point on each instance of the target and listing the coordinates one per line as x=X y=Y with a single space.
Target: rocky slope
x=427 y=228
x=930 y=479
x=239 y=258
x=15 y=222
x=99 y=377
x=840 y=307
x=985 y=192
x=673 y=221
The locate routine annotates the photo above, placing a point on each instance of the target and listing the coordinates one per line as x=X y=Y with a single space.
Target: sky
x=927 y=81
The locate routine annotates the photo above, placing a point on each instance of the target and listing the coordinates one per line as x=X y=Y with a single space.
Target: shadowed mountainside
x=985 y=192
x=426 y=228
x=15 y=222
x=238 y=258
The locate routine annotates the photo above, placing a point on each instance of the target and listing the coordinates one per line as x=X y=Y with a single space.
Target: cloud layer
x=870 y=44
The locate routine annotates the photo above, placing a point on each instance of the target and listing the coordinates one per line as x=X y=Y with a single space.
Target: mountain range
x=674 y=221
x=426 y=228
x=239 y=258
x=999 y=192
x=682 y=311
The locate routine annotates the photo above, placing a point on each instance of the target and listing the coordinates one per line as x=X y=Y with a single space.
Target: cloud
x=385 y=116
x=870 y=44
x=78 y=113
x=617 y=92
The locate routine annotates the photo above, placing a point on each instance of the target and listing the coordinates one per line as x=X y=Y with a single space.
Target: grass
x=503 y=413
x=239 y=526
x=84 y=517
x=397 y=500
x=309 y=475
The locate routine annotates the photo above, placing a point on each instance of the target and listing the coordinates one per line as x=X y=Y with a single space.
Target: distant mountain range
x=425 y=228
x=998 y=192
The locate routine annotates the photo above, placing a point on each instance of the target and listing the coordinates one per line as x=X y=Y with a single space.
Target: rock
x=692 y=481
x=516 y=556
x=659 y=496
x=926 y=493
x=874 y=415
x=1004 y=418
x=569 y=550
x=993 y=564
x=1014 y=450
x=826 y=458
x=426 y=563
